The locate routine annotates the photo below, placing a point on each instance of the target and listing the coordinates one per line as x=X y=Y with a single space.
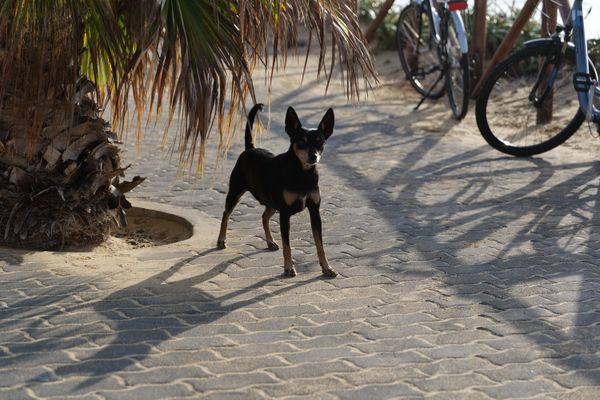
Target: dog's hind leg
x=265 y=221
x=233 y=197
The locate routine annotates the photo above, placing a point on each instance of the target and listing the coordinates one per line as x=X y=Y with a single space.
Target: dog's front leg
x=315 y=224
x=288 y=264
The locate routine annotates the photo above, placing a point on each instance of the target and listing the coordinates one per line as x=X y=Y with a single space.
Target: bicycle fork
x=549 y=78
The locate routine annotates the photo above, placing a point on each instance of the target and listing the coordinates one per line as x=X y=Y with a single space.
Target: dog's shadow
x=144 y=315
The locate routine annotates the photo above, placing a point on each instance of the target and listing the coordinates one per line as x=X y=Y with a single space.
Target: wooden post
x=479 y=40
x=385 y=8
x=509 y=41
x=544 y=113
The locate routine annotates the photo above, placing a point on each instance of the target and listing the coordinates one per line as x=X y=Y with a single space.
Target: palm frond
x=187 y=57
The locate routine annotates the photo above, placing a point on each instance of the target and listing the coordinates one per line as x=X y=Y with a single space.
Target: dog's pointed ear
x=292 y=122
x=326 y=125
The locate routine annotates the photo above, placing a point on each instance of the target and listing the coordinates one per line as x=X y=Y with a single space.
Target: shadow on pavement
x=440 y=208
x=140 y=317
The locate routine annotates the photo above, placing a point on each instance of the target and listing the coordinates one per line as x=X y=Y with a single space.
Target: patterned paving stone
x=464 y=274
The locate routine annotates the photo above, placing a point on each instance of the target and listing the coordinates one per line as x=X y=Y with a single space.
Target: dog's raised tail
x=251 y=115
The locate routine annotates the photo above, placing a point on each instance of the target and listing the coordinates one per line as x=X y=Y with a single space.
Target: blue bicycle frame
x=586 y=87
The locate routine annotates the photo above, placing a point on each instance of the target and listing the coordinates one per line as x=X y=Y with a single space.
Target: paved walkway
x=464 y=274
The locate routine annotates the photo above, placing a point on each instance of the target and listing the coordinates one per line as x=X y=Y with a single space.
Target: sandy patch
x=157 y=232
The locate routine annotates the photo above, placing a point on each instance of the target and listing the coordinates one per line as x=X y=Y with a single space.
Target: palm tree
x=62 y=61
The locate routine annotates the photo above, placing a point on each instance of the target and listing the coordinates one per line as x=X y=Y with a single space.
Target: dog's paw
x=221 y=244
x=290 y=272
x=272 y=246
x=329 y=272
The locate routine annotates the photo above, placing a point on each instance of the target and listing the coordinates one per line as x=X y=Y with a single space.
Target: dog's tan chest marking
x=291 y=198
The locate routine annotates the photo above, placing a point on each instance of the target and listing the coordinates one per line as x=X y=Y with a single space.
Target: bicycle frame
x=460 y=29
x=458 y=23
x=586 y=88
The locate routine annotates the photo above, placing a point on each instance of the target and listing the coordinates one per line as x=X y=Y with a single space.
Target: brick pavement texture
x=464 y=274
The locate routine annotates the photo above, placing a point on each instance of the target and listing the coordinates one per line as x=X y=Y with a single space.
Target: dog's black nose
x=312 y=158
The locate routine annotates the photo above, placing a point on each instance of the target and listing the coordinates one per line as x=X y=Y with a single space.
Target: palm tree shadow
x=154 y=310
x=12 y=256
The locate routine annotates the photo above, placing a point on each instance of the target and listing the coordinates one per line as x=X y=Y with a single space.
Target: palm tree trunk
x=60 y=164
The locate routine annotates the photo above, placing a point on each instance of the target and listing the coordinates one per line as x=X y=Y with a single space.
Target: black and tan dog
x=287 y=183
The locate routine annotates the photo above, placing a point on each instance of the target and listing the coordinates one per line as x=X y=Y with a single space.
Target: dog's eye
x=302 y=143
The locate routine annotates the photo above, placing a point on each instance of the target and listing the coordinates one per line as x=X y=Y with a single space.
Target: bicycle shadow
x=443 y=224
x=440 y=226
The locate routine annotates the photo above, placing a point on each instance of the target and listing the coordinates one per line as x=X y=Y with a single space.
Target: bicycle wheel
x=457 y=71
x=418 y=51
x=513 y=114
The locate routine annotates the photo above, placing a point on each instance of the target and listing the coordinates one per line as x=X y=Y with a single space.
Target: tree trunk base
x=53 y=229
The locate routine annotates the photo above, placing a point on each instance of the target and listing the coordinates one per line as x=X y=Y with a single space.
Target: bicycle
x=540 y=95
x=433 y=46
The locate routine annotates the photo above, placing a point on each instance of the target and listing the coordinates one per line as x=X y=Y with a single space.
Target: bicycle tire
x=501 y=92
x=418 y=52
x=457 y=72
